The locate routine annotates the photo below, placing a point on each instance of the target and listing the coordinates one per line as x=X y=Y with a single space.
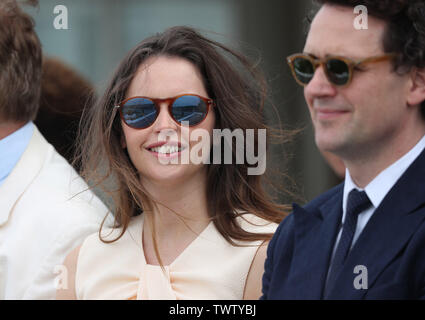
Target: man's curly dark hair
x=405 y=32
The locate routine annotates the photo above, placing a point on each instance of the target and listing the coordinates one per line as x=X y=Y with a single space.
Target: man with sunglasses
x=365 y=90
x=45 y=210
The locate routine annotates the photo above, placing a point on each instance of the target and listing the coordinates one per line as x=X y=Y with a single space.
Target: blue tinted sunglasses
x=141 y=112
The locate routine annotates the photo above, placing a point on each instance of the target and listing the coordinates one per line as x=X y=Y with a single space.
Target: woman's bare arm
x=68 y=290
x=254 y=278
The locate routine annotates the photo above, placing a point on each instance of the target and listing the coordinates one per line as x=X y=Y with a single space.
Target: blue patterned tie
x=356 y=203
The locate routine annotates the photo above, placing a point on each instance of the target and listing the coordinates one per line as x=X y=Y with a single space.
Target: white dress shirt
x=377 y=189
x=12 y=147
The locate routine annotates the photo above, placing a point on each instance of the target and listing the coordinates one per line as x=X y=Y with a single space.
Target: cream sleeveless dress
x=209 y=268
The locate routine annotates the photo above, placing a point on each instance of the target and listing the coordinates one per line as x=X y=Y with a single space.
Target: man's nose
x=319 y=85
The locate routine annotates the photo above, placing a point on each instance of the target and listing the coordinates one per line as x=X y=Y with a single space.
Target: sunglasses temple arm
x=376 y=59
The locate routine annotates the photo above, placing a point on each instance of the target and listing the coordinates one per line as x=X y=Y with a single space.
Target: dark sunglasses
x=141 y=112
x=338 y=70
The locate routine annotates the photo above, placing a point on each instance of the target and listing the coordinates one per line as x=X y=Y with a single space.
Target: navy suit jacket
x=391 y=246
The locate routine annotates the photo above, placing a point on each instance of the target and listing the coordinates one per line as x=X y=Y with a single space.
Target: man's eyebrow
x=310 y=54
x=327 y=55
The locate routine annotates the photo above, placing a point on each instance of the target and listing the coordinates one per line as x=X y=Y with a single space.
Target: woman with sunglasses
x=183 y=230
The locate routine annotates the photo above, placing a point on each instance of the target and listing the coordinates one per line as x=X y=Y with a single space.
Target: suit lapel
x=315 y=232
x=387 y=232
x=23 y=174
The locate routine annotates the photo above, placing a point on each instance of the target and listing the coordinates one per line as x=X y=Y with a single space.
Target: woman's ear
x=416 y=93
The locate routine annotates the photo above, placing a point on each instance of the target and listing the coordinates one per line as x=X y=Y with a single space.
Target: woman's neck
x=179 y=216
x=178 y=205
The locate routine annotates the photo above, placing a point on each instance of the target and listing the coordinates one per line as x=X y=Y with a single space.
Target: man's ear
x=416 y=94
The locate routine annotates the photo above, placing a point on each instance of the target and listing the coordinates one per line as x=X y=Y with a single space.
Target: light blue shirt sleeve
x=12 y=147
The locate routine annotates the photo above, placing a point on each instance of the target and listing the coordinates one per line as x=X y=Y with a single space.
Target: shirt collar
x=378 y=188
x=12 y=147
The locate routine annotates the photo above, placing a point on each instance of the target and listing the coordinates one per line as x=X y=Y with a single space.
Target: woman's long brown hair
x=239 y=94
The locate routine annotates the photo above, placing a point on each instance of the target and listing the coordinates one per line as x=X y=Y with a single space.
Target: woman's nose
x=164 y=121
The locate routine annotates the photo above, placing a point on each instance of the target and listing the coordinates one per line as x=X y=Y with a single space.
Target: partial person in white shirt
x=45 y=208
